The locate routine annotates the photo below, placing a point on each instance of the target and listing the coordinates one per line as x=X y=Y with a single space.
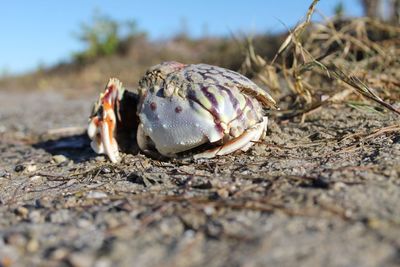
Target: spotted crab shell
x=184 y=106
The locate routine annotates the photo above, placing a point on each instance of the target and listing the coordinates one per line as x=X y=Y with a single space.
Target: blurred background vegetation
x=122 y=49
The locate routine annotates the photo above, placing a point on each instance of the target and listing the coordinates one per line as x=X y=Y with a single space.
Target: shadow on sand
x=74 y=147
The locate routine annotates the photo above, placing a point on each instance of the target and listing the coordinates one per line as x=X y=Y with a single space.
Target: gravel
x=320 y=193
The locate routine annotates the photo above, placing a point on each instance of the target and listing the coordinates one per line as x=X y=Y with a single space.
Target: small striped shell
x=184 y=106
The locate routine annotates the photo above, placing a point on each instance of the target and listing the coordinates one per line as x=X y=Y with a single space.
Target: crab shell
x=182 y=107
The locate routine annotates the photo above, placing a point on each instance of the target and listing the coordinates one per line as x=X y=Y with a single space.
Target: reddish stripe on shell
x=213 y=111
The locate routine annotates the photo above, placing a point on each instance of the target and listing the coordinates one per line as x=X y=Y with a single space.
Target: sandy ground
x=324 y=192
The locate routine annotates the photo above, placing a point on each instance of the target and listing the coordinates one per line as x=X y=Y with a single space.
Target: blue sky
x=41 y=31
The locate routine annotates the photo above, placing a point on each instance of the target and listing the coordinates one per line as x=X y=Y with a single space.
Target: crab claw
x=103 y=121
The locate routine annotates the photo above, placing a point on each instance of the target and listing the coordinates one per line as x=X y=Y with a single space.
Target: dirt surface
x=320 y=193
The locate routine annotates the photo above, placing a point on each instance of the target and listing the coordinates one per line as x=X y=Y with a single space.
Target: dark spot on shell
x=178 y=109
x=153 y=106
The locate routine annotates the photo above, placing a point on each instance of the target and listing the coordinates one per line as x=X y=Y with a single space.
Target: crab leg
x=243 y=142
x=107 y=136
x=102 y=126
x=102 y=133
x=259 y=136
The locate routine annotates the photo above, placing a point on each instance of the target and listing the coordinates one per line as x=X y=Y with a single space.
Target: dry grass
x=351 y=55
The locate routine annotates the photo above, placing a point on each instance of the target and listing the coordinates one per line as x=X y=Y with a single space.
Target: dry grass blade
x=297 y=31
x=368 y=47
x=257 y=66
x=335 y=72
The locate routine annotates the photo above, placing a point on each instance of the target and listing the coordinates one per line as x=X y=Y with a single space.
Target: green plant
x=339 y=10
x=102 y=36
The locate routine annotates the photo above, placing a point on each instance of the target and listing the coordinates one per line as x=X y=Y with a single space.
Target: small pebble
x=100 y=158
x=338 y=186
x=112 y=222
x=22 y=211
x=96 y=194
x=19 y=168
x=71 y=182
x=60 y=216
x=43 y=202
x=59 y=158
x=15 y=239
x=103 y=262
x=31 y=168
x=32 y=246
x=37 y=179
x=223 y=193
x=35 y=217
x=6 y=261
x=84 y=223
x=105 y=170
x=209 y=210
x=59 y=254
x=189 y=234
x=348 y=213
x=81 y=260
x=214 y=229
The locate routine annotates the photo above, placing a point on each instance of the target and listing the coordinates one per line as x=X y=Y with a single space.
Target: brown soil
x=320 y=193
